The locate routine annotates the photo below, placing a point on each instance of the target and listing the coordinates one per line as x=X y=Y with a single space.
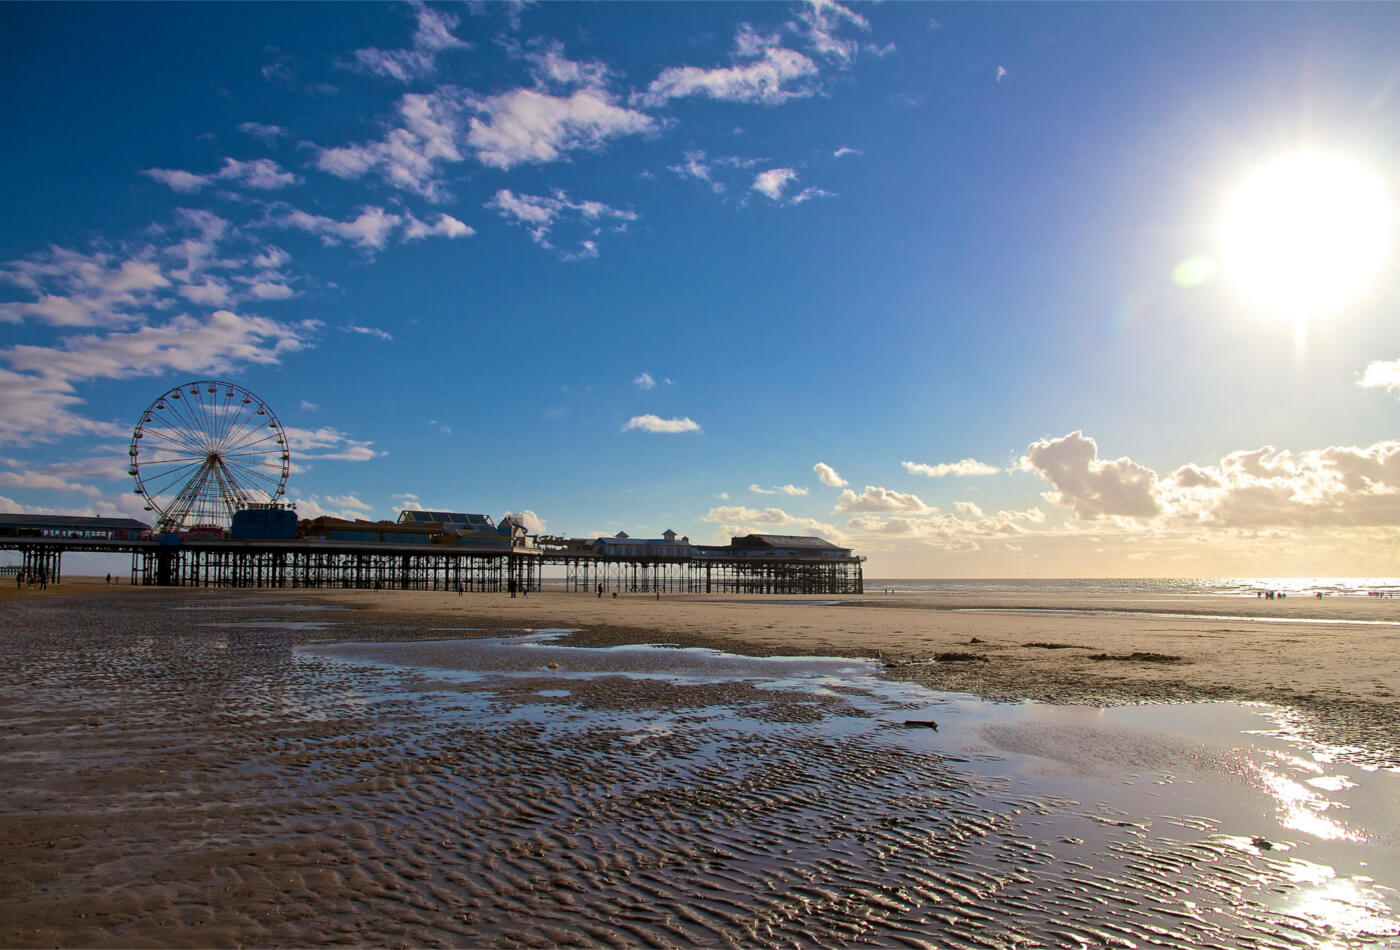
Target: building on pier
x=466 y=553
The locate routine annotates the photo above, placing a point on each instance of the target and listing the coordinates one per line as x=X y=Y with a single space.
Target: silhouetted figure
x=510 y=586
x=19 y=581
x=109 y=580
x=600 y=591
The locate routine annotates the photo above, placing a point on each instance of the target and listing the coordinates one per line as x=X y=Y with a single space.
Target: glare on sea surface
x=1305 y=235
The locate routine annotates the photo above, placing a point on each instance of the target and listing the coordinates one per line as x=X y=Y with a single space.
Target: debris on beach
x=959 y=658
x=1138 y=656
x=921 y=724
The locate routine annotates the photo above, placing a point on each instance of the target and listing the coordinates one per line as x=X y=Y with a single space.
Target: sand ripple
x=174 y=785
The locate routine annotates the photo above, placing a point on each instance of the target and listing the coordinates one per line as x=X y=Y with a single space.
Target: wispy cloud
x=777 y=490
x=539 y=214
x=962 y=469
x=645 y=381
x=262 y=174
x=432 y=37
x=372 y=228
x=367 y=331
x=652 y=423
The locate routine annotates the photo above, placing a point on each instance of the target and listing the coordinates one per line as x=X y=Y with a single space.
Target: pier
x=754 y=564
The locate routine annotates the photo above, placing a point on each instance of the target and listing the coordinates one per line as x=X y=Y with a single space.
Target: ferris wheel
x=205 y=449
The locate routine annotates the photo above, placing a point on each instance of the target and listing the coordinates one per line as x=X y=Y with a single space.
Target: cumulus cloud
x=532 y=126
x=772 y=182
x=645 y=381
x=533 y=523
x=652 y=423
x=1381 y=374
x=539 y=215
x=432 y=37
x=961 y=469
x=777 y=490
x=1089 y=486
x=773 y=185
x=445 y=226
x=262 y=174
x=827 y=475
x=881 y=499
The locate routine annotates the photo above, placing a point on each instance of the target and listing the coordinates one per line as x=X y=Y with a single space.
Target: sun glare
x=1305 y=235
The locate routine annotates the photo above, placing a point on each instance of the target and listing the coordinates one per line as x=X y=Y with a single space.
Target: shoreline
x=1336 y=660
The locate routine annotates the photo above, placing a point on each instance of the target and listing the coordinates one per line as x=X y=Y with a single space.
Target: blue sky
x=901 y=275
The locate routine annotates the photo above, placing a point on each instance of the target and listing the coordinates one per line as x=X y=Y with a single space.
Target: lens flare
x=1306 y=235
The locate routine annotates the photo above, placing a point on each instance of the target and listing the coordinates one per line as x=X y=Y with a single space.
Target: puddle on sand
x=1177 y=825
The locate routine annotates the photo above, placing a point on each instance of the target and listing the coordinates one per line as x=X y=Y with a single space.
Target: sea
x=1159 y=586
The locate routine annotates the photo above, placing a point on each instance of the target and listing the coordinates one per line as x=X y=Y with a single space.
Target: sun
x=1305 y=235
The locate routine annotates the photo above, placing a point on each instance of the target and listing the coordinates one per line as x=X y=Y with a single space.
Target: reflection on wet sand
x=268 y=780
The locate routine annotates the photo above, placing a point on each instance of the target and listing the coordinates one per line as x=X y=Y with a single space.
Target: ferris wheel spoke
x=249 y=424
x=204 y=449
x=174 y=437
x=249 y=473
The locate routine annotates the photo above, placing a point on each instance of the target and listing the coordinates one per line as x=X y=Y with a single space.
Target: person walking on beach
x=19 y=581
x=510 y=586
x=109 y=580
x=600 y=590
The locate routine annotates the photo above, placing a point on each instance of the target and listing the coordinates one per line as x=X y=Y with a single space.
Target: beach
x=206 y=767
x=1338 y=658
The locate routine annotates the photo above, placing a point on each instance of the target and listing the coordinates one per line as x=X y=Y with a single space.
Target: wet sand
x=1337 y=659
x=193 y=768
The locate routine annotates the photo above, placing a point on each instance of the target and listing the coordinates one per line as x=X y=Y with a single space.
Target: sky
x=953 y=285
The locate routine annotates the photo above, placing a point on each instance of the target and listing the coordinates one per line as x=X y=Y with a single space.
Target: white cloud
x=539 y=214
x=445 y=226
x=308 y=405
x=828 y=475
x=408 y=157
x=432 y=36
x=46 y=482
x=645 y=381
x=777 y=490
x=37 y=393
x=76 y=290
x=262 y=174
x=845 y=150
x=768 y=516
x=1381 y=374
x=367 y=331
x=651 y=423
x=267 y=134
x=328 y=443
x=531 y=126
x=1089 y=486
x=533 y=523
x=372 y=229
x=772 y=78
x=346 y=507
x=772 y=182
x=881 y=499
x=962 y=469
x=820 y=23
